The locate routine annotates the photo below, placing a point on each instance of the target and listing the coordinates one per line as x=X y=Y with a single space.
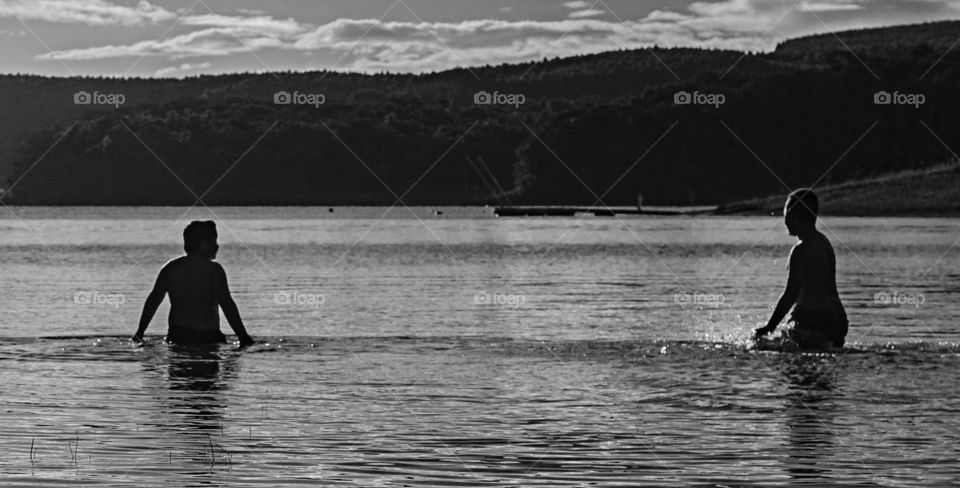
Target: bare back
x=193 y=283
x=815 y=266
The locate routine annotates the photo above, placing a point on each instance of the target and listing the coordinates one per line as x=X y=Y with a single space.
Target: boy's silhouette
x=820 y=321
x=197 y=286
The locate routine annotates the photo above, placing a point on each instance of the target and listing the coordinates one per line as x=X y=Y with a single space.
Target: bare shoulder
x=216 y=269
x=798 y=255
x=172 y=264
x=823 y=240
x=798 y=250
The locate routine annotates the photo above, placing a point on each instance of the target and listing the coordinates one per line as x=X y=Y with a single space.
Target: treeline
x=591 y=127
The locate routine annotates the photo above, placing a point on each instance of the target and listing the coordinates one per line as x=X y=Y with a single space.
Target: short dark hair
x=196 y=233
x=804 y=203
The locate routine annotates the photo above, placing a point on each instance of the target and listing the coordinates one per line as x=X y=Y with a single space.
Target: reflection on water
x=194 y=373
x=809 y=418
x=193 y=397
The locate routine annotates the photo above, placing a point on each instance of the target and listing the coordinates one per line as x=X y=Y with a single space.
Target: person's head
x=800 y=211
x=200 y=238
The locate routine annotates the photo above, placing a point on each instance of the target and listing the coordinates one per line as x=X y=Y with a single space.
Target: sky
x=177 y=38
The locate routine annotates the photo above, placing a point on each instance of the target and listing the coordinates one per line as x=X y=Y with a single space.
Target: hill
x=928 y=192
x=602 y=126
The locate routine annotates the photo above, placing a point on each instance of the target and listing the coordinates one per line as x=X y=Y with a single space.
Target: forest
x=679 y=126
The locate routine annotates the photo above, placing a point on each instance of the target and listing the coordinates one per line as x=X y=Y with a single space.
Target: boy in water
x=820 y=321
x=197 y=286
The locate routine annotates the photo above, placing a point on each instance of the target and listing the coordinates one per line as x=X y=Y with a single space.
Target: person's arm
x=788 y=297
x=154 y=299
x=222 y=292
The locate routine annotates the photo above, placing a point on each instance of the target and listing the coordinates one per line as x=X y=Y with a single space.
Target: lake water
x=406 y=348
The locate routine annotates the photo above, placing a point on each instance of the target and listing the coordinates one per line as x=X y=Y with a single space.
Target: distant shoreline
x=927 y=192
x=772 y=208
x=932 y=192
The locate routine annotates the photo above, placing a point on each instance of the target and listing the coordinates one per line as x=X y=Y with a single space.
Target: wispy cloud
x=182 y=70
x=87 y=12
x=828 y=7
x=590 y=12
x=581 y=9
x=214 y=41
x=262 y=24
x=373 y=45
x=220 y=35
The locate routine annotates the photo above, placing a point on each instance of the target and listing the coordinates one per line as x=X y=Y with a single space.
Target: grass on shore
x=933 y=191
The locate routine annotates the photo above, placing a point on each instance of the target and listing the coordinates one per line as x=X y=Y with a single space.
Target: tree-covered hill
x=591 y=127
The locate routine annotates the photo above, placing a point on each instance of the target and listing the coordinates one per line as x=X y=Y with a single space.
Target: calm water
x=463 y=350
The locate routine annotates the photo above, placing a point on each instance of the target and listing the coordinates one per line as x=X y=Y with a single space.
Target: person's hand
x=762 y=331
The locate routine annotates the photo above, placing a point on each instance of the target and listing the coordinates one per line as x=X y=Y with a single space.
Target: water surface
x=406 y=347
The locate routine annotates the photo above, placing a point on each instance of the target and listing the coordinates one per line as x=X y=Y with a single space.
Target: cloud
x=221 y=35
x=374 y=45
x=261 y=24
x=471 y=34
x=581 y=9
x=828 y=7
x=214 y=41
x=370 y=44
x=745 y=25
x=741 y=16
x=579 y=14
x=182 y=70
x=87 y=12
